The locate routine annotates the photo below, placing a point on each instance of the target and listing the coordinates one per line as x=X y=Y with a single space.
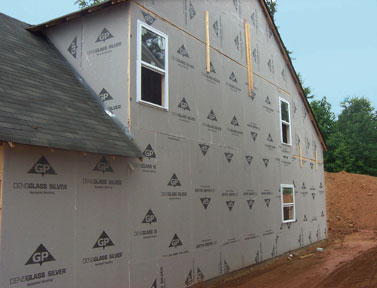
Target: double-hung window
x=152 y=66
x=285 y=122
x=288 y=211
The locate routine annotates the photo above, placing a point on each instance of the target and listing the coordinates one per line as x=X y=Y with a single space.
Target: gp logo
x=105 y=35
x=103 y=241
x=103 y=166
x=104 y=95
x=149 y=218
x=149 y=152
x=42 y=167
x=175 y=242
x=174 y=181
x=40 y=256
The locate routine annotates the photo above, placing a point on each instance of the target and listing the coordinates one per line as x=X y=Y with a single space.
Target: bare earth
x=349 y=257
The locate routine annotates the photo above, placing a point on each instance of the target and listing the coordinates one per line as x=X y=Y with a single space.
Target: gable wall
x=216 y=239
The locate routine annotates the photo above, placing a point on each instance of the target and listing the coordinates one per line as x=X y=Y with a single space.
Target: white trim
x=281 y=121
x=140 y=63
x=282 y=186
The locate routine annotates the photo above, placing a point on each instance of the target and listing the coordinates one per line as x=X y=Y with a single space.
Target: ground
x=349 y=256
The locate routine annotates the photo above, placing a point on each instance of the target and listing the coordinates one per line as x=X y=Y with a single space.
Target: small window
x=285 y=122
x=288 y=203
x=152 y=66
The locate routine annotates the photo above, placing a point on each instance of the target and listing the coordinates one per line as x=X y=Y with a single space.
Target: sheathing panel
x=205 y=199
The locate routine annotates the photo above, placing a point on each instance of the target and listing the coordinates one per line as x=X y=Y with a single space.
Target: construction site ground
x=349 y=256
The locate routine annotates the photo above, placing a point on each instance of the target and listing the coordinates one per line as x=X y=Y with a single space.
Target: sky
x=334 y=42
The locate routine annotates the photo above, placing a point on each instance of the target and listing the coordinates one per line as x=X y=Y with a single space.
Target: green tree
x=272 y=6
x=358 y=125
x=86 y=3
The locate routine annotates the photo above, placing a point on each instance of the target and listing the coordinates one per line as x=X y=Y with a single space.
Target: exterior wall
x=174 y=235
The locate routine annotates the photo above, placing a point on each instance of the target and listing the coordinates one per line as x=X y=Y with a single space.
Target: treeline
x=351 y=138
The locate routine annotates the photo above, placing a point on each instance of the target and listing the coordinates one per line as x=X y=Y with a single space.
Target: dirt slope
x=351 y=202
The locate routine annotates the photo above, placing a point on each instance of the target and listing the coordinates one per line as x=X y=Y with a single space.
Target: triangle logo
x=237 y=42
x=174 y=181
x=204 y=148
x=211 y=116
x=212 y=68
x=228 y=156
x=105 y=35
x=183 y=52
x=103 y=166
x=103 y=241
x=250 y=203
x=200 y=276
x=149 y=152
x=72 y=49
x=267 y=101
x=104 y=95
x=267 y=201
x=269 y=138
x=189 y=280
x=148 y=18
x=205 y=202
x=149 y=218
x=234 y=121
x=254 y=135
x=216 y=27
x=249 y=159
x=226 y=267
x=184 y=105
x=266 y=161
x=42 y=167
x=40 y=256
x=175 y=242
x=192 y=11
x=233 y=78
x=230 y=204
x=154 y=285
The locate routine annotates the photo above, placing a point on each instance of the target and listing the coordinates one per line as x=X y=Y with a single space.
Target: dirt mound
x=351 y=202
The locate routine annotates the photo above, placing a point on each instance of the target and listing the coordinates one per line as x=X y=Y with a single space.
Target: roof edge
x=74 y=15
x=288 y=60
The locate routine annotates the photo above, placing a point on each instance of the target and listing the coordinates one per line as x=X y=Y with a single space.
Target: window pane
x=287 y=195
x=288 y=213
x=284 y=111
x=153 y=48
x=151 y=86
x=285 y=133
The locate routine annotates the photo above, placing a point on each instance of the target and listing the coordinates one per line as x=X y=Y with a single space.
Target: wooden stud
x=208 y=56
x=248 y=57
x=300 y=155
x=11 y=144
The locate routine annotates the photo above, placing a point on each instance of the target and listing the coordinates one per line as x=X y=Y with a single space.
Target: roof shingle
x=42 y=102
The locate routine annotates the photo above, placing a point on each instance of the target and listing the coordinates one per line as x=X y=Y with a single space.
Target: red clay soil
x=349 y=258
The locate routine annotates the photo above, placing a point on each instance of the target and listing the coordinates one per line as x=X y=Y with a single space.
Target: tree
x=358 y=125
x=86 y=3
x=325 y=118
x=307 y=89
x=272 y=6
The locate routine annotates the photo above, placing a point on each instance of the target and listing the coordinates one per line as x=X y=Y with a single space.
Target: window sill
x=290 y=221
x=286 y=144
x=152 y=105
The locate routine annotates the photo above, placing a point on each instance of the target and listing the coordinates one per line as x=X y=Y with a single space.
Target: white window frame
x=282 y=186
x=284 y=122
x=140 y=64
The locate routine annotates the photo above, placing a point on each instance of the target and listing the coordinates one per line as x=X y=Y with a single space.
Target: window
x=152 y=66
x=285 y=122
x=288 y=203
